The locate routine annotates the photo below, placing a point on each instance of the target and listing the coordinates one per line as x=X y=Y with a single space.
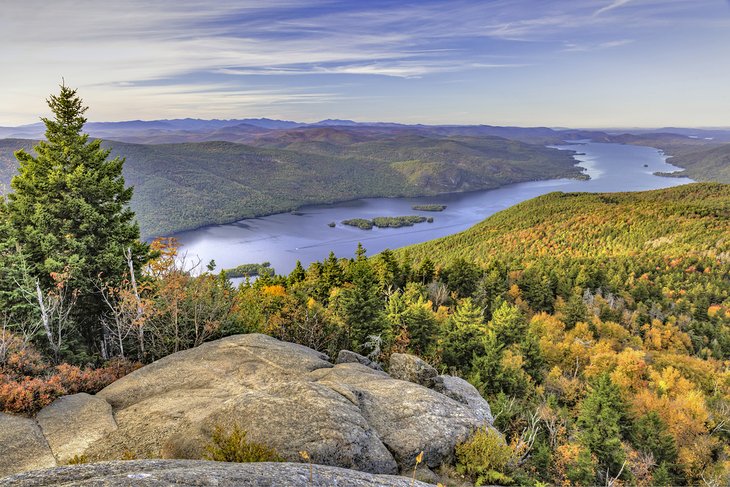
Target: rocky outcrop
x=460 y=390
x=22 y=446
x=408 y=418
x=284 y=395
x=348 y=357
x=159 y=473
x=411 y=368
x=92 y=419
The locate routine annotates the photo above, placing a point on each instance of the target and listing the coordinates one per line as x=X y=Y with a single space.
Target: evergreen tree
x=583 y=470
x=14 y=275
x=464 y=336
x=509 y=324
x=490 y=287
x=529 y=348
x=650 y=435
x=661 y=477
x=298 y=274
x=487 y=372
x=388 y=269
x=69 y=211
x=600 y=420
x=538 y=288
x=421 y=325
x=426 y=271
x=462 y=277
x=360 y=303
x=574 y=311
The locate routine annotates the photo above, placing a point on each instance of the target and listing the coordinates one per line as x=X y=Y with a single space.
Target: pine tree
x=509 y=324
x=487 y=372
x=421 y=325
x=69 y=210
x=601 y=420
x=464 y=336
x=360 y=303
x=426 y=271
x=462 y=277
x=661 y=477
x=574 y=311
x=650 y=435
x=298 y=274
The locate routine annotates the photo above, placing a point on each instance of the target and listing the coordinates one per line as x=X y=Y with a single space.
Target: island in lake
x=429 y=207
x=251 y=270
x=386 y=222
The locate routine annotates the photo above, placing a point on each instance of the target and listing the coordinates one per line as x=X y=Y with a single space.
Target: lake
x=284 y=238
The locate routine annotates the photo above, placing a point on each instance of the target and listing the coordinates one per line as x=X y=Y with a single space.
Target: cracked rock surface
x=284 y=395
x=158 y=473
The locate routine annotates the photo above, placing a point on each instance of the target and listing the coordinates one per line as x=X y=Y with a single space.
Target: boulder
x=460 y=390
x=283 y=395
x=22 y=446
x=238 y=362
x=159 y=473
x=407 y=417
x=286 y=396
x=411 y=368
x=348 y=357
x=92 y=419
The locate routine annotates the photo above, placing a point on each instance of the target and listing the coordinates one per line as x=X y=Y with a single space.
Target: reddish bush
x=75 y=379
x=19 y=358
x=29 y=394
x=27 y=383
x=26 y=387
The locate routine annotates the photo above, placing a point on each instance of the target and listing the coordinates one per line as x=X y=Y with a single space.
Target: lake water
x=284 y=238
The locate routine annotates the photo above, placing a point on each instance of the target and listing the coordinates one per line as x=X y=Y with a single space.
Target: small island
x=429 y=207
x=386 y=222
x=251 y=270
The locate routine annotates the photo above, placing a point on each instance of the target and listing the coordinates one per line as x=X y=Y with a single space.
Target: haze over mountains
x=189 y=172
x=249 y=129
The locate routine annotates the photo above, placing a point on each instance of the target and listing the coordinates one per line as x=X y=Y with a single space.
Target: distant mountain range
x=189 y=172
x=247 y=129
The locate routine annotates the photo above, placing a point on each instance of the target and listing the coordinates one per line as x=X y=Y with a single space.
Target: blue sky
x=576 y=63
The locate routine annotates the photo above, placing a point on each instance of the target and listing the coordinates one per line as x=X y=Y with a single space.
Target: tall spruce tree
x=463 y=340
x=69 y=211
x=361 y=305
x=602 y=419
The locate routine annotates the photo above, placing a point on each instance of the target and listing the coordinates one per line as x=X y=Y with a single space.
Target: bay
x=284 y=238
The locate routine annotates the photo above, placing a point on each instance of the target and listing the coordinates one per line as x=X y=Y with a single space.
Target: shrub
x=27 y=384
x=485 y=457
x=17 y=357
x=78 y=460
x=234 y=447
x=28 y=394
x=75 y=379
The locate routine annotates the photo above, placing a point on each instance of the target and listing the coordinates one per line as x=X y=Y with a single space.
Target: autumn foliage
x=28 y=383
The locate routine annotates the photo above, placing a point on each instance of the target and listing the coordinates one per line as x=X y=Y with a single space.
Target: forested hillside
x=597 y=325
x=702 y=159
x=184 y=186
x=708 y=164
x=684 y=221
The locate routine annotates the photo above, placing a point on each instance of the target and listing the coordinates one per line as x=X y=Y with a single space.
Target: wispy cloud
x=573 y=47
x=613 y=5
x=156 y=56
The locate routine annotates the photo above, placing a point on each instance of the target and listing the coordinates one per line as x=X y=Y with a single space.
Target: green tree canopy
x=69 y=210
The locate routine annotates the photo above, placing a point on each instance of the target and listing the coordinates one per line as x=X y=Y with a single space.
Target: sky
x=561 y=63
